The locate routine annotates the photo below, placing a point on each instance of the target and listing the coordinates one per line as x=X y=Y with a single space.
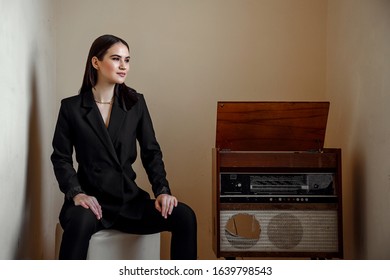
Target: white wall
x=358 y=85
x=27 y=82
x=187 y=55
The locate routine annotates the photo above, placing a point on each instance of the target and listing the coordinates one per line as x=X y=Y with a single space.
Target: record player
x=276 y=189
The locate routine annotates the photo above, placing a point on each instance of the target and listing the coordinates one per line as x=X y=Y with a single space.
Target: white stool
x=109 y=244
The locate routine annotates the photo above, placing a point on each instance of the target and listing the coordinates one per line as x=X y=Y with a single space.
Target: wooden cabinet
x=276 y=191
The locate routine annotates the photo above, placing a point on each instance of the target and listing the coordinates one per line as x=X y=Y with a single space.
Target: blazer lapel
x=96 y=121
x=117 y=117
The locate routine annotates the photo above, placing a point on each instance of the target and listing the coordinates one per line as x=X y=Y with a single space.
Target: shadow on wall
x=30 y=245
x=359 y=205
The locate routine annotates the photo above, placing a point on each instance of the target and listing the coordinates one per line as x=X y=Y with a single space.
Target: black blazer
x=105 y=155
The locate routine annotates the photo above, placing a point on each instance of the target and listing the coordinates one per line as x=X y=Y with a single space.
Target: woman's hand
x=89 y=202
x=165 y=203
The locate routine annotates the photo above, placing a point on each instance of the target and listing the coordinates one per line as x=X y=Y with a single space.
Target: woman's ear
x=95 y=62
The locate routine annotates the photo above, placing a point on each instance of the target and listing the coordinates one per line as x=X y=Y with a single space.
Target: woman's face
x=113 y=68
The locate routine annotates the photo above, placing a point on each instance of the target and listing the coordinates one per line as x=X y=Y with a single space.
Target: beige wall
x=187 y=55
x=27 y=82
x=358 y=85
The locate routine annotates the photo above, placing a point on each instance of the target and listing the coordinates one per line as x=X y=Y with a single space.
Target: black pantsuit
x=105 y=157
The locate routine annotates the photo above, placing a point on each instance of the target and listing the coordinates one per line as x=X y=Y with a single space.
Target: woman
x=102 y=125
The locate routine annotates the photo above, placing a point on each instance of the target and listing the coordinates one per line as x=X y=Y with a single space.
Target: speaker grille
x=280 y=231
x=285 y=231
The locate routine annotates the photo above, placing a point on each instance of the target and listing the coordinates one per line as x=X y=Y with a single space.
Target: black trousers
x=80 y=224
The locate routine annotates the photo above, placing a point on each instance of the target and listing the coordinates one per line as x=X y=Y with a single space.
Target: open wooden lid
x=271 y=126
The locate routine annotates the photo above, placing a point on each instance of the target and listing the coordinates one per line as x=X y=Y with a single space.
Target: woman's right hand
x=89 y=202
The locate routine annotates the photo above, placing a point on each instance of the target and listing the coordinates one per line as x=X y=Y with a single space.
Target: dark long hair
x=99 y=48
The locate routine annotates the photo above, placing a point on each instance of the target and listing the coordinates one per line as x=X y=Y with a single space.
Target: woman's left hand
x=165 y=203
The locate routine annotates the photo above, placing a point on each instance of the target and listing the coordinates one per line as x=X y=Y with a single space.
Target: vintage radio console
x=276 y=191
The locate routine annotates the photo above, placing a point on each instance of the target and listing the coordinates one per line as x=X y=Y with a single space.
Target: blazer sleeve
x=62 y=155
x=151 y=155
